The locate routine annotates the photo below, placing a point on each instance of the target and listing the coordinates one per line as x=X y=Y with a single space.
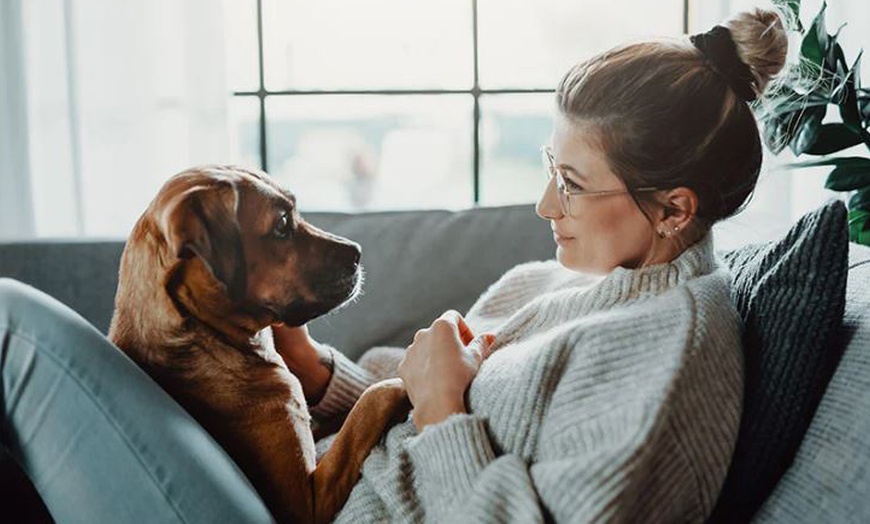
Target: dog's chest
x=264 y=347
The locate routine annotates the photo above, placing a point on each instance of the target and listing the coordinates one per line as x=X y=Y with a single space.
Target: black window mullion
x=686 y=17
x=475 y=92
x=261 y=93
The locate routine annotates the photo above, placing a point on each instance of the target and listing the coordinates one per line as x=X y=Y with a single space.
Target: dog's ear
x=202 y=222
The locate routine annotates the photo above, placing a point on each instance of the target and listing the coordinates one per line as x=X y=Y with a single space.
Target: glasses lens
x=547 y=161
x=553 y=173
x=564 y=197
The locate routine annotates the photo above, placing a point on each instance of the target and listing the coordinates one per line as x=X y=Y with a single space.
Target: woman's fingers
x=482 y=346
x=465 y=333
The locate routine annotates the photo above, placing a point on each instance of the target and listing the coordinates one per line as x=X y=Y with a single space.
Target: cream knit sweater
x=610 y=398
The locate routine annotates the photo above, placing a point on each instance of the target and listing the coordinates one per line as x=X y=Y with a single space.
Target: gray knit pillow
x=829 y=479
x=791 y=295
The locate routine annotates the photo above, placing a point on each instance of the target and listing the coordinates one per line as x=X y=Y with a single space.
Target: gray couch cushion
x=420 y=264
x=790 y=294
x=829 y=480
x=81 y=274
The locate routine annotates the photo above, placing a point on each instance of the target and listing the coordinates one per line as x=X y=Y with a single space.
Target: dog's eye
x=282 y=226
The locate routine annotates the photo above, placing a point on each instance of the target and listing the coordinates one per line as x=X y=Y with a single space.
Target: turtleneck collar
x=571 y=295
x=697 y=260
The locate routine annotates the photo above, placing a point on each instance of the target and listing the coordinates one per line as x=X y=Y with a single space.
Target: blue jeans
x=99 y=439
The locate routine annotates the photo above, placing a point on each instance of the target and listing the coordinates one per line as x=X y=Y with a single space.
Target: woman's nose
x=548 y=206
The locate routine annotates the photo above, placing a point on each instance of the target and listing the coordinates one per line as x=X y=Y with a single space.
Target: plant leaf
x=779 y=131
x=833 y=138
x=793 y=102
x=835 y=59
x=845 y=161
x=848 y=178
x=815 y=41
x=807 y=130
x=864 y=106
x=859 y=226
x=805 y=137
x=861 y=199
x=795 y=7
x=847 y=97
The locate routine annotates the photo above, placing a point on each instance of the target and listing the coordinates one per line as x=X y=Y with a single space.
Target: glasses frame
x=565 y=194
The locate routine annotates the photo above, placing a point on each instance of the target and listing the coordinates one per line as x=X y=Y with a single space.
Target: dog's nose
x=355 y=252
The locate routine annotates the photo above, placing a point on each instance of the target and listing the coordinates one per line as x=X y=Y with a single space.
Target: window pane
x=241 y=43
x=335 y=44
x=244 y=129
x=532 y=44
x=360 y=152
x=513 y=129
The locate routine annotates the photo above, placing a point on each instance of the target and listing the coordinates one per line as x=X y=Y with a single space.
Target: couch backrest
x=81 y=274
x=418 y=264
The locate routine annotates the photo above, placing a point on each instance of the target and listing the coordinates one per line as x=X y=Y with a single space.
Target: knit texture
x=830 y=477
x=605 y=399
x=790 y=294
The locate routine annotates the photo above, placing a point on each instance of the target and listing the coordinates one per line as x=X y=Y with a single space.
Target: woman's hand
x=305 y=358
x=438 y=367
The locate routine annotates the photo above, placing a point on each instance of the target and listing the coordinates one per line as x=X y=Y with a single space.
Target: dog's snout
x=354 y=252
x=344 y=250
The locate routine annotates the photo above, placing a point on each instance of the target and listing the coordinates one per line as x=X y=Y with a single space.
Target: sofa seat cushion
x=829 y=480
x=790 y=294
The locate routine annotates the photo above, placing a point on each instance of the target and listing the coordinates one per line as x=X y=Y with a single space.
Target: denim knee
x=14 y=296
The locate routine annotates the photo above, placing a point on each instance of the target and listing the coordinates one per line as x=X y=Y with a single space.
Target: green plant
x=793 y=116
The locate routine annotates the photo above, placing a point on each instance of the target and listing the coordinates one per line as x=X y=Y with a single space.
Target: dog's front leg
x=380 y=406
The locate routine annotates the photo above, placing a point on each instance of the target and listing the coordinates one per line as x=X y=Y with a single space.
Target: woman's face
x=602 y=231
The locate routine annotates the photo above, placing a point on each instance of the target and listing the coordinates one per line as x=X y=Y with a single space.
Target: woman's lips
x=561 y=240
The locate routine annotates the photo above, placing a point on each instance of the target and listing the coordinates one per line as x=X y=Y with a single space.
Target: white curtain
x=16 y=211
x=106 y=101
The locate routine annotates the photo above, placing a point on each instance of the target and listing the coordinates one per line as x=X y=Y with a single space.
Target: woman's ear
x=680 y=209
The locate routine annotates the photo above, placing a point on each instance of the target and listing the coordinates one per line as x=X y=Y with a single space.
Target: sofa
x=420 y=263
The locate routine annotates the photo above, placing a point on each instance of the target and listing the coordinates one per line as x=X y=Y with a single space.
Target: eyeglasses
x=565 y=194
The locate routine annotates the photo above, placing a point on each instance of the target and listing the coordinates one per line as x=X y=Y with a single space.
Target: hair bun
x=762 y=43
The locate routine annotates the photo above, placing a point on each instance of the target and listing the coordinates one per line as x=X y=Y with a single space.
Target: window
x=384 y=104
x=390 y=104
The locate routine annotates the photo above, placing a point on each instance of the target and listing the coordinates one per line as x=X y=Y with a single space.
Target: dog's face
x=237 y=241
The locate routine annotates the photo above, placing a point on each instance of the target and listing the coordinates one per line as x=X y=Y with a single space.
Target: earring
x=668 y=232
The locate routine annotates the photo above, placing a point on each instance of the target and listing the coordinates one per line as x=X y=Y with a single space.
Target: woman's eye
x=572 y=186
x=282 y=226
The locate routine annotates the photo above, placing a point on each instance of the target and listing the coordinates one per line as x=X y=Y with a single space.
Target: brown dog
x=220 y=255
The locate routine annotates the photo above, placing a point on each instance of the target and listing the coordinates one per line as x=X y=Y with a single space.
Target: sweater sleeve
x=603 y=454
x=350 y=379
x=348 y=382
x=460 y=478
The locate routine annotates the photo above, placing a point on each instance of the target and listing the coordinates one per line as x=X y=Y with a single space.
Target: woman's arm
x=331 y=382
x=619 y=465
x=311 y=362
x=616 y=449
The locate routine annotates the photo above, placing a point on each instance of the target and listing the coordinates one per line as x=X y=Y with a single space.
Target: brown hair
x=666 y=118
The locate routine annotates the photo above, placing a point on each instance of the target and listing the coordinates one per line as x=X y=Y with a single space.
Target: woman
x=609 y=384
x=605 y=385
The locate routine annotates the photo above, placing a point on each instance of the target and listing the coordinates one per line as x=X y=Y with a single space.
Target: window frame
x=475 y=92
